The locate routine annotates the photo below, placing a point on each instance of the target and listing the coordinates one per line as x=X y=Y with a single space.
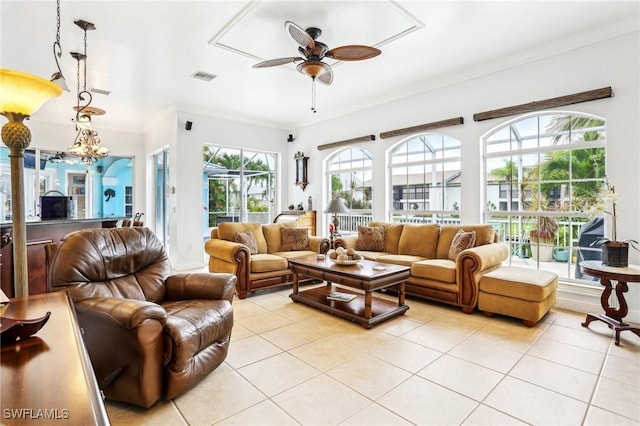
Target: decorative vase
x=541 y=249
x=560 y=255
x=615 y=253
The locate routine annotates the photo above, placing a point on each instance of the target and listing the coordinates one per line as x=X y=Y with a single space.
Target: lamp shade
x=336 y=206
x=313 y=68
x=24 y=93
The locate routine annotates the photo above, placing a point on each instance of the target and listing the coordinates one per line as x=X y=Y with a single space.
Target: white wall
x=612 y=63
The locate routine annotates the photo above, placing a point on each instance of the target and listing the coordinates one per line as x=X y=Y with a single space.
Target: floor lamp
x=22 y=95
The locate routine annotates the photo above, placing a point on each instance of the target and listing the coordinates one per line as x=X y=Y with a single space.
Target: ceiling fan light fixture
x=313 y=68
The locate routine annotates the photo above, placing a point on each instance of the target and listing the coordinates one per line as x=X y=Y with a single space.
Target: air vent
x=201 y=75
x=100 y=91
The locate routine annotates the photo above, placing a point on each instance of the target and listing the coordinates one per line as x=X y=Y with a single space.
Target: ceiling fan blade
x=300 y=35
x=275 y=62
x=353 y=53
x=326 y=78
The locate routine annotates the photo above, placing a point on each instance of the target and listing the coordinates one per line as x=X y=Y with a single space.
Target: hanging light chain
x=313 y=95
x=58 y=27
x=84 y=87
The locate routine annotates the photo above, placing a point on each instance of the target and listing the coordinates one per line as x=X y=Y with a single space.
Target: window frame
x=427 y=213
x=562 y=190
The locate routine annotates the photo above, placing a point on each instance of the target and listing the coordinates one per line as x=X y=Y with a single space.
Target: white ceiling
x=146 y=52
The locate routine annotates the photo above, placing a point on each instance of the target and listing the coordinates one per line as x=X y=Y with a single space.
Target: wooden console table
x=48 y=378
x=612 y=316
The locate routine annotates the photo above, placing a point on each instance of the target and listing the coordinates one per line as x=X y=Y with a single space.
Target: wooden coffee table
x=364 y=309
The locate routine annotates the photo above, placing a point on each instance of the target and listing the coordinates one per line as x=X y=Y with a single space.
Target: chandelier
x=87 y=143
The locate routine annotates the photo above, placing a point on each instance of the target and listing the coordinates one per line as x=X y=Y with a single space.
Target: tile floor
x=289 y=364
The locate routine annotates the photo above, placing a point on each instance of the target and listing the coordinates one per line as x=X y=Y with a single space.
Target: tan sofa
x=267 y=268
x=425 y=248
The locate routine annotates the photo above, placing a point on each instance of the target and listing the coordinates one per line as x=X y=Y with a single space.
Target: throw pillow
x=247 y=238
x=370 y=238
x=294 y=239
x=461 y=241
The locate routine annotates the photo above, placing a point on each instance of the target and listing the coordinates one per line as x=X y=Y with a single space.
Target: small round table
x=612 y=316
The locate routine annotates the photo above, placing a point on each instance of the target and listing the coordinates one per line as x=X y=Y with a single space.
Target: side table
x=613 y=317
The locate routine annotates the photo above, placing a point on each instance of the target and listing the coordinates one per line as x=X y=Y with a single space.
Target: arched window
x=349 y=177
x=425 y=179
x=542 y=172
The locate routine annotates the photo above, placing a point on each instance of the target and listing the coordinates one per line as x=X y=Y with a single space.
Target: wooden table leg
x=613 y=316
x=401 y=294
x=295 y=283
x=368 y=298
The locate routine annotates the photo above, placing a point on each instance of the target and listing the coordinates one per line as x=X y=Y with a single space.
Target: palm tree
x=585 y=167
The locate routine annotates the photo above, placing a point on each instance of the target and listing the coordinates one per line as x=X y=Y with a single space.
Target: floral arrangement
x=606 y=204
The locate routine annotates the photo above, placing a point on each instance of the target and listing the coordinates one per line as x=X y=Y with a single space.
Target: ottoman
x=523 y=293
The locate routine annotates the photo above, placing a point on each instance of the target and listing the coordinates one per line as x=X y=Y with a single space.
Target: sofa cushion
x=520 y=283
x=272 y=235
x=372 y=255
x=247 y=238
x=292 y=254
x=435 y=269
x=462 y=241
x=392 y=233
x=370 y=238
x=420 y=240
x=268 y=262
x=484 y=235
x=399 y=259
x=227 y=231
x=294 y=239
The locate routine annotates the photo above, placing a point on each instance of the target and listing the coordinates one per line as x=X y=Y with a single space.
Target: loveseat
x=440 y=270
x=257 y=254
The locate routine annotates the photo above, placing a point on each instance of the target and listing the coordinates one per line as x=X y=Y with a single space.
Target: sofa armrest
x=471 y=265
x=232 y=258
x=319 y=244
x=227 y=251
x=125 y=342
x=348 y=241
x=127 y=313
x=201 y=285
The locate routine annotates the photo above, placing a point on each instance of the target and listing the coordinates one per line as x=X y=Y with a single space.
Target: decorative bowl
x=355 y=259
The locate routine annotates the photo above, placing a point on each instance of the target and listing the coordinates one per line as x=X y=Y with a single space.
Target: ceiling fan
x=314 y=51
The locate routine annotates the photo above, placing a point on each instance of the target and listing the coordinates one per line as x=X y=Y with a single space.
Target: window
x=128 y=201
x=425 y=179
x=240 y=185
x=542 y=171
x=349 y=176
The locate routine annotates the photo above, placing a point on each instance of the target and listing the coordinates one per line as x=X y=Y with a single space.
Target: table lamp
x=335 y=206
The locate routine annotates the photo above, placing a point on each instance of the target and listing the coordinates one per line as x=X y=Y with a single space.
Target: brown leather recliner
x=149 y=334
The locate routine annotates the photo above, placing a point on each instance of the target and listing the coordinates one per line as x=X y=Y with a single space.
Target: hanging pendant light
x=87 y=143
x=57 y=77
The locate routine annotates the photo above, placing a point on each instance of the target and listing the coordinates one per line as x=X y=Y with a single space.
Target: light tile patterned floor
x=290 y=364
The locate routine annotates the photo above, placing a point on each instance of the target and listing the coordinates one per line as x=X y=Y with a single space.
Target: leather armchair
x=149 y=334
